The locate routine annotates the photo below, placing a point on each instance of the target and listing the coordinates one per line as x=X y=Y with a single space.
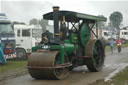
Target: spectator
x=2 y=57
x=112 y=45
x=119 y=42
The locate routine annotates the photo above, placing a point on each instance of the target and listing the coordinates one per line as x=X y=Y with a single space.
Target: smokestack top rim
x=55 y=8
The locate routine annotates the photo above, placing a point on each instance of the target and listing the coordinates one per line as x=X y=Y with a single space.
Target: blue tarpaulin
x=2 y=57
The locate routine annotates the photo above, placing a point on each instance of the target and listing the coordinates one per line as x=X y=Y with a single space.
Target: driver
x=63 y=28
x=46 y=36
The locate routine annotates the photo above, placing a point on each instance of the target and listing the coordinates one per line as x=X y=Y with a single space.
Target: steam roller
x=69 y=45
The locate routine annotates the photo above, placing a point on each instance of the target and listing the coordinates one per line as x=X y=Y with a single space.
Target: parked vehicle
x=7 y=37
x=109 y=35
x=124 y=35
x=27 y=36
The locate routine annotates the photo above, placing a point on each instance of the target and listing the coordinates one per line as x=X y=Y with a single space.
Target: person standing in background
x=112 y=45
x=119 y=42
x=2 y=57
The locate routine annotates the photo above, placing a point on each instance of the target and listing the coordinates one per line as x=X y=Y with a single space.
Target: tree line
x=43 y=23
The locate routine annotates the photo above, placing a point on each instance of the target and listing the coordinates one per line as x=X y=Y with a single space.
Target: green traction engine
x=69 y=46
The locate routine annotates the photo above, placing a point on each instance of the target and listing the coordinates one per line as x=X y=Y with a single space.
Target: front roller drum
x=95 y=51
x=46 y=65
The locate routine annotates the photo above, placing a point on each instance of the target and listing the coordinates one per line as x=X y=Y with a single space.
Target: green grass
x=13 y=64
x=121 y=78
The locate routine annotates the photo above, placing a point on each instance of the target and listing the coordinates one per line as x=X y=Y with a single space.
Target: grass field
x=12 y=64
x=120 y=79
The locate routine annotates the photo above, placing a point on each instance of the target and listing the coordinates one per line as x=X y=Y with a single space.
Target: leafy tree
x=34 y=21
x=101 y=24
x=43 y=23
x=115 y=19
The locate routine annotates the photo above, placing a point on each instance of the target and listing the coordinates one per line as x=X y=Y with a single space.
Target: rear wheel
x=94 y=49
x=20 y=54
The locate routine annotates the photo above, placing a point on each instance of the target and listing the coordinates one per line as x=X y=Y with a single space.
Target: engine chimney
x=56 y=20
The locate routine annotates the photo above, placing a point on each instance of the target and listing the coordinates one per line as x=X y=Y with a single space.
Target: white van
x=124 y=34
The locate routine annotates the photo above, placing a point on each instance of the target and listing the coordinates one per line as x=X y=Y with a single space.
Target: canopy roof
x=74 y=16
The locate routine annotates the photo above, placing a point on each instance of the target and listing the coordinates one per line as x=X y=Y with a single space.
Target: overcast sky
x=24 y=10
